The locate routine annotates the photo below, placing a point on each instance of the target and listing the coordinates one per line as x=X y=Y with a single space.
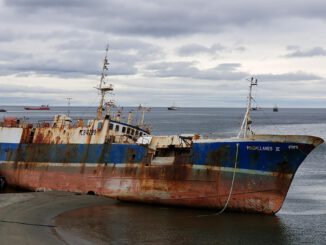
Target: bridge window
x=123 y=129
x=117 y=128
x=99 y=125
x=132 y=132
x=111 y=126
x=128 y=130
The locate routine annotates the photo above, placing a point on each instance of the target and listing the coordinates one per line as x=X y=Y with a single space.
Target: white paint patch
x=163 y=160
x=120 y=184
x=10 y=135
x=144 y=140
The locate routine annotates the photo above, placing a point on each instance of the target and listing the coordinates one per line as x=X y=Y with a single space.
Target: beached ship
x=122 y=160
x=38 y=108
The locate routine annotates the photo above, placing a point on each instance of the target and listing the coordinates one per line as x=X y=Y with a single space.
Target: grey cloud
x=228 y=66
x=188 y=70
x=72 y=63
x=58 y=33
x=227 y=71
x=288 y=77
x=33 y=89
x=240 y=48
x=26 y=100
x=66 y=38
x=123 y=55
x=292 y=47
x=6 y=56
x=45 y=4
x=121 y=44
x=141 y=50
x=192 y=49
x=64 y=70
x=316 y=51
x=172 y=18
x=6 y=36
x=48 y=66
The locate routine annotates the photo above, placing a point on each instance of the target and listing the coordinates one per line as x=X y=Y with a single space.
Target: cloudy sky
x=190 y=52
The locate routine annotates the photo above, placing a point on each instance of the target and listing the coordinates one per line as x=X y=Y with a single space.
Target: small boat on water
x=275 y=108
x=173 y=108
x=120 y=159
x=38 y=108
x=3 y=110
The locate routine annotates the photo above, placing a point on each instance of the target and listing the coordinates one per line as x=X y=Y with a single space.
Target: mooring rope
x=231 y=188
x=232 y=184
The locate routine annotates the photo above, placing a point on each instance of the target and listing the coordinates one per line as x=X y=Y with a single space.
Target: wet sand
x=28 y=218
x=130 y=223
x=67 y=218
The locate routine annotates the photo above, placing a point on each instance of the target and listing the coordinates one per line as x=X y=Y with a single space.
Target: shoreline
x=29 y=218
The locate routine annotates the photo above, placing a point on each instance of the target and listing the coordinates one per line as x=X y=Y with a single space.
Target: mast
x=69 y=99
x=142 y=110
x=246 y=124
x=130 y=117
x=102 y=87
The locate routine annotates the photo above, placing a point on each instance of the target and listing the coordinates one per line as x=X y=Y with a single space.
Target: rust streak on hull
x=202 y=188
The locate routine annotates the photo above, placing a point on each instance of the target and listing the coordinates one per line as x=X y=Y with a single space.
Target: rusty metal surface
x=172 y=185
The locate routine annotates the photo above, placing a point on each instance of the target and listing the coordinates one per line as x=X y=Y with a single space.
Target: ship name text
x=88 y=132
x=270 y=148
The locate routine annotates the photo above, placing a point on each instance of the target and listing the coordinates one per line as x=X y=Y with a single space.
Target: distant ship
x=275 y=108
x=173 y=108
x=38 y=108
x=3 y=110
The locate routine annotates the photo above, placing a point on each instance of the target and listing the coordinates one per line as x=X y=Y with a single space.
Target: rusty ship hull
x=168 y=170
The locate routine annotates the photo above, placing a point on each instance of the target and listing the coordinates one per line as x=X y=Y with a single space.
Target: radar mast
x=103 y=88
x=246 y=124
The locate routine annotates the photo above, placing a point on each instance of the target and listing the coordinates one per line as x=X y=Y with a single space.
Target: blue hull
x=261 y=156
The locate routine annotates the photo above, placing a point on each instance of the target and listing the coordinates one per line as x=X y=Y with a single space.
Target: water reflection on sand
x=136 y=224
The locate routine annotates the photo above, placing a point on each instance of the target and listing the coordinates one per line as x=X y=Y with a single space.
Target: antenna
x=69 y=99
x=102 y=87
